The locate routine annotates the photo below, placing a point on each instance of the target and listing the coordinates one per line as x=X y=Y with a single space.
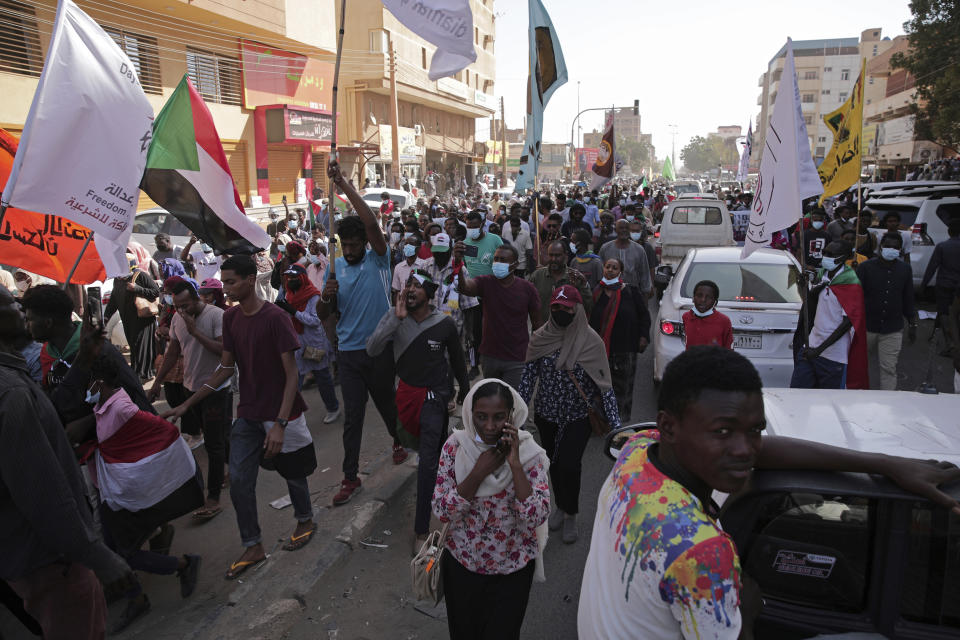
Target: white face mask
x=889 y=253
x=702 y=314
x=573 y=248
x=23 y=285
x=167 y=299
x=481 y=443
x=395 y=236
x=611 y=281
x=473 y=234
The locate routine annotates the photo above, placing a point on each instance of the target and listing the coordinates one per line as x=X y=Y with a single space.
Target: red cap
x=567 y=296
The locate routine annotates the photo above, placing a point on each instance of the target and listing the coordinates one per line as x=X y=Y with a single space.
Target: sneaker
x=347 y=489
x=556 y=519
x=188 y=575
x=399 y=453
x=569 y=535
x=331 y=416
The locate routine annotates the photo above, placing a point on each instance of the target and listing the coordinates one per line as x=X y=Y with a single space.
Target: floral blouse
x=491 y=535
x=557 y=398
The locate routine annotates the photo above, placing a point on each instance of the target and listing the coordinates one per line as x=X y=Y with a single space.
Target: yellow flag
x=840 y=168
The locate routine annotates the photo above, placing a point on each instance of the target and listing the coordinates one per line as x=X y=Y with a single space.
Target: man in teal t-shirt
x=479 y=260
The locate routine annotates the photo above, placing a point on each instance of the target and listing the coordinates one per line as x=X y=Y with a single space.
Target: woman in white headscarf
x=492 y=488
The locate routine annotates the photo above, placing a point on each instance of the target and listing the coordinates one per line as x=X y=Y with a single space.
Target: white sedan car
x=760 y=295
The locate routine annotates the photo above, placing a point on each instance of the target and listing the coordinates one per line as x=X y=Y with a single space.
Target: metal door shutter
x=283 y=169
x=236 y=152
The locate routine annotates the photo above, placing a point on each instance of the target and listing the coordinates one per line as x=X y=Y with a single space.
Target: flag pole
x=333 y=147
x=76 y=263
x=3 y=212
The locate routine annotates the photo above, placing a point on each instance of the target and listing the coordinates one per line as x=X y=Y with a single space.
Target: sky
x=693 y=64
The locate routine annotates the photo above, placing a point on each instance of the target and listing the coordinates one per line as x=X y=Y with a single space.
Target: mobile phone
x=472 y=250
x=95 y=307
x=502 y=445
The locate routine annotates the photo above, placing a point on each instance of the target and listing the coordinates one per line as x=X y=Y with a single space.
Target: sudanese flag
x=187 y=174
x=846 y=286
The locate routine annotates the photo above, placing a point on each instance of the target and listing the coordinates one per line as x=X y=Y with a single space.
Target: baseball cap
x=440 y=242
x=566 y=296
x=211 y=283
x=295 y=270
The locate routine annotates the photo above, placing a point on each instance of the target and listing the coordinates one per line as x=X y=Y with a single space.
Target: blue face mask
x=473 y=234
x=501 y=270
x=828 y=263
x=889 y=253
x=92 y=398
x=611 y=281
x=313 y=259
x=635 y=236
x=292 y=225
x=817 y=224
x=167 y=299
x=409 y=250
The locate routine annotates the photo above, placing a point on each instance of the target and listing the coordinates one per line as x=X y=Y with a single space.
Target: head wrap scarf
x=578 y=344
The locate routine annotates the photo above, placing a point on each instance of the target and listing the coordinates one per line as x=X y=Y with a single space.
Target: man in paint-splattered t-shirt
x=677 y=573
x=660 y=567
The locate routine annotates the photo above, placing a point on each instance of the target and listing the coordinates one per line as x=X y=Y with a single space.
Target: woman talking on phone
x=492 y=489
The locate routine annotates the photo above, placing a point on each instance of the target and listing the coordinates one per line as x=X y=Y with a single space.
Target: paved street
x=349 y=591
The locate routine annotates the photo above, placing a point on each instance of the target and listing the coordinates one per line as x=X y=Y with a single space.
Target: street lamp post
x=573 y=146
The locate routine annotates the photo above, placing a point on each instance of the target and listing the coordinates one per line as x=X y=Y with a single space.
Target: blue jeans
x=246 y=446
x=818 y=373
x=326 y=387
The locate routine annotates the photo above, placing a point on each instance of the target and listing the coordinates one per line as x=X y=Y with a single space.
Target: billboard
x=586 y=157
x=274 y=76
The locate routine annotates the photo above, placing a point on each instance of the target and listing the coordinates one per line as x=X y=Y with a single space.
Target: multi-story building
x=889 y=142
x=436 y=119
x=729 y=131
x=625 y=123
x=826 y=71
x=264 y=68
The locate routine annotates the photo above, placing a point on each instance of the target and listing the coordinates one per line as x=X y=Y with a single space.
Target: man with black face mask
x=423 y=339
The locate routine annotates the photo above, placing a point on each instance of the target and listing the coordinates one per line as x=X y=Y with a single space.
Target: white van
x=693 y=223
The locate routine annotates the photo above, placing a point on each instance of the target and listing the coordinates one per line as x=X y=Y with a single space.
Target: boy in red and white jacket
x=704 y=324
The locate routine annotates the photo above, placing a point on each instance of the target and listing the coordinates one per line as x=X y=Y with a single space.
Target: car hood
x=900 y=423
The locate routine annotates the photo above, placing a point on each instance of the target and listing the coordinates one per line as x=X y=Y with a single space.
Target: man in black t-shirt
x=815 y=238
x=423 y=339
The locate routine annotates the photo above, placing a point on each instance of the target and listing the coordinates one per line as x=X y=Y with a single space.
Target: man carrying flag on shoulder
x=834 y=354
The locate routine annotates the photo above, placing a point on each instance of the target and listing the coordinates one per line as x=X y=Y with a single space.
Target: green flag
x=668 y=170
x=644 y=184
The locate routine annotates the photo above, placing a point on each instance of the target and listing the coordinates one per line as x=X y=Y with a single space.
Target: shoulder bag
x=145 y=308
x=598 y=422
x=425 y=567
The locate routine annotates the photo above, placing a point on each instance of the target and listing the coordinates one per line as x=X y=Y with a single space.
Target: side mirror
x=613 y=442
x=663 y=274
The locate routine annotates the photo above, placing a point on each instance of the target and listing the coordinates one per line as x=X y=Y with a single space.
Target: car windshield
x=687 y=188
x=768 y=283
x=696 y=215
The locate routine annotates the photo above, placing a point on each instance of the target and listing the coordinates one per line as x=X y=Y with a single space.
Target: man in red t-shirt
x=260 y=341
x=704 y=324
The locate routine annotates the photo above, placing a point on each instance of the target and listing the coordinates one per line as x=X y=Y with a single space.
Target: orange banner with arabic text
x=44 y=244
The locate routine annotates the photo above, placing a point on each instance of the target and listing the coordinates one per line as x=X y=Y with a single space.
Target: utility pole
x=394 y=117
x=673 y=150
x=505 y=150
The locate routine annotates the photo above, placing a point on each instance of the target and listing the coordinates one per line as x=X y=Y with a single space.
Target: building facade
x=436 y=119
x=264 y=68
x=889 y=143
x=826 y=71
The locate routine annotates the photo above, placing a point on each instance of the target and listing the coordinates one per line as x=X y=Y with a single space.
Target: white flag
x=787 y=173
x=448 y=24
x=84 y=144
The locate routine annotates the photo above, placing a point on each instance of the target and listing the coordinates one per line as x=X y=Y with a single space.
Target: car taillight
x=669 y=328
x=919 y=234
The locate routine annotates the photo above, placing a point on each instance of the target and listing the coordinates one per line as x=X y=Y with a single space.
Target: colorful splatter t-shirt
x=659 y=566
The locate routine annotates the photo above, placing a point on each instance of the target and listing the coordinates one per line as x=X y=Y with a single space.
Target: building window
x=825 y=92
x=378 y=41
x=843 y=96
x=143 y=53
x=423 y=57
x=820 y=151
x=870 y=80
x=487 y=41
x=466 y=73
x=808 y=119
x=476 y=35
x=20 y=50
x=874 y=49
x=845 y=74
x=809 y=75
x=822 y=139
x=216 y=77
x=808 y=98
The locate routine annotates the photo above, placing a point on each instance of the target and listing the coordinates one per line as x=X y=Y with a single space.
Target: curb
x=268 y=607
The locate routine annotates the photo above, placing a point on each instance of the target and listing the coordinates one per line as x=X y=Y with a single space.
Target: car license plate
x=747 y=341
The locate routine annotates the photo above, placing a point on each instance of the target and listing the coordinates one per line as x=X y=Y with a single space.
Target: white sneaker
x=331 y=417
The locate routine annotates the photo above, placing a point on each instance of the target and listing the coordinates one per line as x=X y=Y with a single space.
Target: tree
x=701 y=153
x=635 y=154
x=934 y=33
